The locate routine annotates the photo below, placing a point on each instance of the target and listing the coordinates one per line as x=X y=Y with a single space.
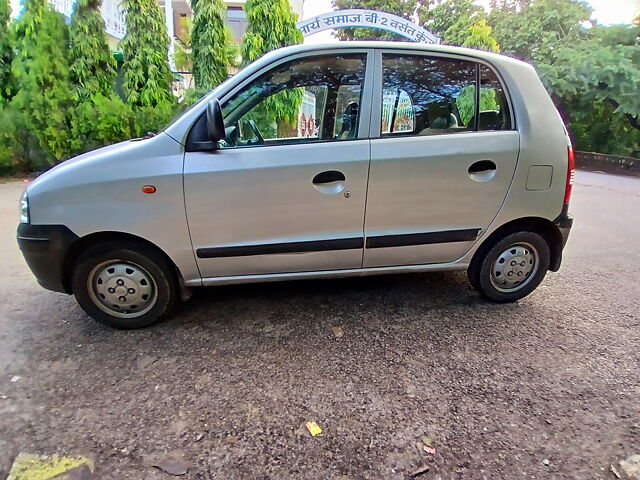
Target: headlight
x=24 y=208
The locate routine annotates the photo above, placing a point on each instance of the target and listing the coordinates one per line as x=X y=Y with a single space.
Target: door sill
x=355 y=272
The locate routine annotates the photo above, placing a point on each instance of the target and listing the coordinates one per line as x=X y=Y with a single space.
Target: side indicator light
x=149 y=189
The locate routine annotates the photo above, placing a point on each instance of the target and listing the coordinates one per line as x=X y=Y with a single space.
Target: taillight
x=571 y=165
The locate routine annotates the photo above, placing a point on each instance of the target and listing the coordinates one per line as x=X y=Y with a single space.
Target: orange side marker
x=149 y=189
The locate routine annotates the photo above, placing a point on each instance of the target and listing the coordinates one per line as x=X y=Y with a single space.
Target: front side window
x=313 y=99
x=427 y=95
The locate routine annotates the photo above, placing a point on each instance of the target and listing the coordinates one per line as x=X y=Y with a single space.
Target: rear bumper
x=564 y=222
x=44 y=248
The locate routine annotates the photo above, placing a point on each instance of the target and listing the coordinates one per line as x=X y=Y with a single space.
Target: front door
x=286 y=190
x=443 y=159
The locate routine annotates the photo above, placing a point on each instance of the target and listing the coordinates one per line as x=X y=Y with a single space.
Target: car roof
x=407 y=46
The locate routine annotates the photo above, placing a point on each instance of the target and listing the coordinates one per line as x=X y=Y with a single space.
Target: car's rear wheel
x=511 y=267
x=124 y=285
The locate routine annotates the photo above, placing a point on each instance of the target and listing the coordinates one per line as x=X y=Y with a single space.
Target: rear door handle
x=330 y=176
x=482 y=166
x=482 y=171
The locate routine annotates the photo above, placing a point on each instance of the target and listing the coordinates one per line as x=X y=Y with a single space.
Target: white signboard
x=367 y=18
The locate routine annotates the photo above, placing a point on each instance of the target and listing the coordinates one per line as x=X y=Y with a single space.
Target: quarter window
x=313 y=99
x=494 y=108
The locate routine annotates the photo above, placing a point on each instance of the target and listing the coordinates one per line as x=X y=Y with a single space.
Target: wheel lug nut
x=123 y=299
x=519 y=274
x=120 y=282
x=112 y=290
x=513 y=262
x=510 y=273
x=131 y=291
x=522 y=263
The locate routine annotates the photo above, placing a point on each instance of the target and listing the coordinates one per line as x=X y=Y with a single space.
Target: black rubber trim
x=275 y=248
x=341 y=244
x=405 y=240
x=44 y=248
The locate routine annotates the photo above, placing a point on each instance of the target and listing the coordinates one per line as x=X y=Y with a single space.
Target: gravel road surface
x=545 y=388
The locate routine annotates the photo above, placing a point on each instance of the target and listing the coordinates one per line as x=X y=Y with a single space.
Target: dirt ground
x=546 y=388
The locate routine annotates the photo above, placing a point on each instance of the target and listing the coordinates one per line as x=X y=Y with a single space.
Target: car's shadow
x=388 y=294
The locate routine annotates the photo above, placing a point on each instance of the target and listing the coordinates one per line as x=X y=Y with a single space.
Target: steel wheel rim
x=122 y=289
x=515 y=267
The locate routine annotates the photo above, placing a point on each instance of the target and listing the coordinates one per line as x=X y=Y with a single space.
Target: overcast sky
x=606 y=12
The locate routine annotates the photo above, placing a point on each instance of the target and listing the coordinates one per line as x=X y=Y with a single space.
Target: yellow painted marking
x=42 y=467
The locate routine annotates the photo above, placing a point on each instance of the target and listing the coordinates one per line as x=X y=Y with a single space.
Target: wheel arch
x=83 y=243
x=542 y=226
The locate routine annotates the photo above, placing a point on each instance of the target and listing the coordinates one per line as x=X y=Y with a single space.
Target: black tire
x=484 y=267
x=152 y=271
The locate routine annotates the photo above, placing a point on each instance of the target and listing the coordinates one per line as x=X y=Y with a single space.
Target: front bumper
x=44 y=248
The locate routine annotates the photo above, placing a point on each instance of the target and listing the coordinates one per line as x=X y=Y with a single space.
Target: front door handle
x=330 y=176
x=330 y=182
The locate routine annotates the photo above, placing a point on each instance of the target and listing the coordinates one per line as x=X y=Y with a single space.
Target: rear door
x=443 y=154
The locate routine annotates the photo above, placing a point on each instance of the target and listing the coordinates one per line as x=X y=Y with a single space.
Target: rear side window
x=427 y=95
x=435 y=96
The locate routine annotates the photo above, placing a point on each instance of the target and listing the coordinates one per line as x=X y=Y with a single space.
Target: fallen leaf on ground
x=420 y=471
x=172 y=466
x=314 y=428
x=428 y=441
x=338 y=332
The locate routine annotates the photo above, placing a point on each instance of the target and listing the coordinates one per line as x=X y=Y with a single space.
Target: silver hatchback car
x=318 y=161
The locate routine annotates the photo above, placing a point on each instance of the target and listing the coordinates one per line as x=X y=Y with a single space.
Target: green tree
x=208 y=44
x=6 y=53
x=402 y=8
x=41 y=72
x=442 y=15
x=602 y=70
x=531 y=32
x=480 y=37
x=272 y=24
x=593 y=74
x=457 y=22
x=92 y=65
x=146 y=74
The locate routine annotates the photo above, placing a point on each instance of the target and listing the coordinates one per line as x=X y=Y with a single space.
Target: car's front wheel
x=511 y=267
x=124 y=285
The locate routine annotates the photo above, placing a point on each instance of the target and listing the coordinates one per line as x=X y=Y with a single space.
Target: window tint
x=494 y=108
x=427 y=96
x=312 y=99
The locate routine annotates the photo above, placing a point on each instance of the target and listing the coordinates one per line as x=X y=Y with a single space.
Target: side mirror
x=215 y=122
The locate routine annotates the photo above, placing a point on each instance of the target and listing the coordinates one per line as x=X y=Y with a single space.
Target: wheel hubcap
x=514 y=267
x=122 y=289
